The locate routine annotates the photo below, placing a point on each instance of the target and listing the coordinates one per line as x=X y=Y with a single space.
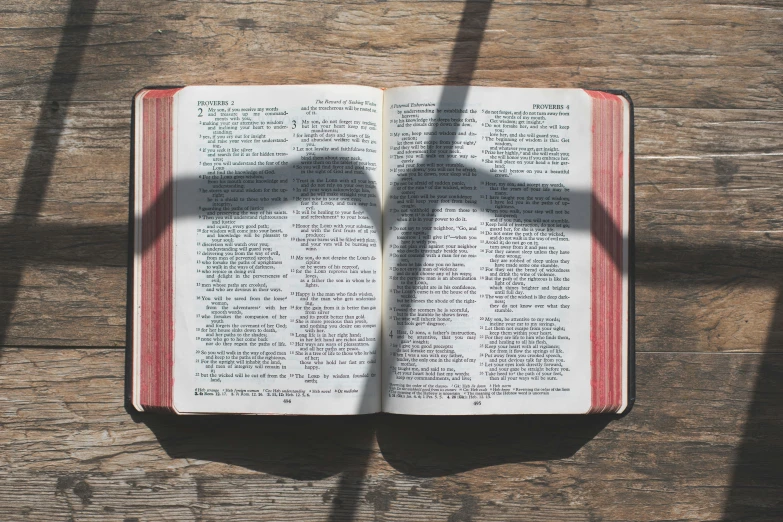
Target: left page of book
x=277 y=287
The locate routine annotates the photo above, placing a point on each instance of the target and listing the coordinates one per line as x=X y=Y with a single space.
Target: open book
x=328 y=249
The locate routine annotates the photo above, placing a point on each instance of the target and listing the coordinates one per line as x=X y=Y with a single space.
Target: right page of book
x=487 y=245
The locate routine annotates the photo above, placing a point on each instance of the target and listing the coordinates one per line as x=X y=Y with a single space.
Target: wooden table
x=704 y=441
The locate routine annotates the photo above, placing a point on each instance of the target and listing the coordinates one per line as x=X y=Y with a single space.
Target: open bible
x=328 y=249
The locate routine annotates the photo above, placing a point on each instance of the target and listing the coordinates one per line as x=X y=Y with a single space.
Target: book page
x=278 y=252
x=487 y=251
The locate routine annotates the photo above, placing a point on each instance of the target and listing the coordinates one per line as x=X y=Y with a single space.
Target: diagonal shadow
x=403 y=440
x=462 y=65
x=430 y=446
x=757 y=478
x=321 y=447
x=46 y=139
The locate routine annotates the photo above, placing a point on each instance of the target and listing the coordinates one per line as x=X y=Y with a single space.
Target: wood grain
x=70 y=444
x=710 y=54
x=701 y=444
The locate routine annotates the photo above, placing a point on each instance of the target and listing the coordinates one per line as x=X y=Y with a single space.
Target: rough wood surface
x=706 y=54
x=71 y=449
x=702 y=443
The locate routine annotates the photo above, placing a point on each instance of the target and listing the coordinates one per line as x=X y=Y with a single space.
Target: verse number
x=293 y=124
x=200 y=112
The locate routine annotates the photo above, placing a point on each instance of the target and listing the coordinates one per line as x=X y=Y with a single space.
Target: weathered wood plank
x=64 y=222
x=70 y=449
x=666 y=54
x=67 y=305
x=701 y=444
x=88 y=182
x=708 y=261
x=694 y=133
x=135 y=495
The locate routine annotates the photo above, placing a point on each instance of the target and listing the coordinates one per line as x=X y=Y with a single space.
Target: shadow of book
x=297 y=447
x=313 y=447
x=438 y=446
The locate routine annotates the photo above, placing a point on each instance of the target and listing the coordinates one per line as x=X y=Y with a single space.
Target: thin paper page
x=487 y=242
x=278 y=256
